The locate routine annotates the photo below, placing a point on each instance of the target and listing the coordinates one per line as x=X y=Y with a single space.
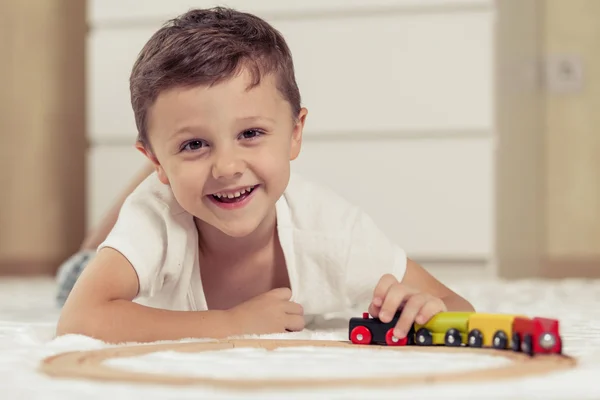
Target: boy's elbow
x=67 y=326
x=62 y=328
x=76 y=323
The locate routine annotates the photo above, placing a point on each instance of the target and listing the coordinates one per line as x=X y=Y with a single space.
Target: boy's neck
x=214 y=243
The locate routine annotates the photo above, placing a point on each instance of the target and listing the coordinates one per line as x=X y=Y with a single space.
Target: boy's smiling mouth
x=234 y=197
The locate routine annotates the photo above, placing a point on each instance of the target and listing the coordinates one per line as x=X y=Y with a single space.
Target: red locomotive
x=536 y=336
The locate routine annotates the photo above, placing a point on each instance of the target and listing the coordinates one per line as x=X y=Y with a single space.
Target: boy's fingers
x=382 y=287
x=282 y=293
x=430 y=309
x=294 y=308
x=391 y=303
x=380 y=293
x=374 y=310
x=409 y=312
x=295 y=323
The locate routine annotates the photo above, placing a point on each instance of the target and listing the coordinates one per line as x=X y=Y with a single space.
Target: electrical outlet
x=564 y=73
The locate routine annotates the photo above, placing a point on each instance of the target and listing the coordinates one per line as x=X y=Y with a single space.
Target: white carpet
x=28 y=317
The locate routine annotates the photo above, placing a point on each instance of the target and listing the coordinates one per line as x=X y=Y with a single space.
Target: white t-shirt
x=335 y=254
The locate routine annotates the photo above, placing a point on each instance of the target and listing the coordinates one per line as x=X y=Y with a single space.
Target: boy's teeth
x=232 y=195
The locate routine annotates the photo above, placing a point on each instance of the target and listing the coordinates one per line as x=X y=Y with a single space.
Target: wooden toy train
x=472 y=329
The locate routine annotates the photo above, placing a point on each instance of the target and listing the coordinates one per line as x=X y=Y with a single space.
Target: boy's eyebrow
x=256 y=118
x=195 y=129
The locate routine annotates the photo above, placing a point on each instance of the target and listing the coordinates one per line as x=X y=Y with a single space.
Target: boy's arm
x=390 y=266
x=100 y=306
x=418 y=278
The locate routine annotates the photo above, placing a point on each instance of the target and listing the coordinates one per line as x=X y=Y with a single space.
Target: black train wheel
x=527 y=345
x=411 y=336
x=516 y=342
x=423 y=337
x=475 y=338
x=453 y=337
x=500 y=340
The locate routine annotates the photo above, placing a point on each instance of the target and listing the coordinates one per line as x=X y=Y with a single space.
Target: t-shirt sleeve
x=140 y=236
x=371 y=255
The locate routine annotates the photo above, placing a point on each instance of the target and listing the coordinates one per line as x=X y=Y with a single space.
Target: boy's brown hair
x=205 y=47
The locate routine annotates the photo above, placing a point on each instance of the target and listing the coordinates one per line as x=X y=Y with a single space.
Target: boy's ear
x=297 y=134
x=162 y=176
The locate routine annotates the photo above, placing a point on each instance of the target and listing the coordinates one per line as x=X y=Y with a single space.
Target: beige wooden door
x=42 y=138
x=548 y=189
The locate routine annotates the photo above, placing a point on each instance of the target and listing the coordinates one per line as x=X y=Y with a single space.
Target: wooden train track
x=89 y=365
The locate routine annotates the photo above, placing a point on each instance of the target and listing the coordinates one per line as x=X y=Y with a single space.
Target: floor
x=28 y=316
x=27 y=300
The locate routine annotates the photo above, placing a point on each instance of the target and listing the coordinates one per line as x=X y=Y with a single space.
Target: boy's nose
x=227 y=166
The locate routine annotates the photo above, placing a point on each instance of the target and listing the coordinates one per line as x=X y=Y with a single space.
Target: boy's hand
x=270 y=312
x=419 y=307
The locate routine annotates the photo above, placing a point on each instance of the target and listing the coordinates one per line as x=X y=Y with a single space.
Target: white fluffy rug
x=28 y=317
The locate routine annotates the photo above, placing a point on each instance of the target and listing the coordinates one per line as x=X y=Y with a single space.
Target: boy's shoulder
x=154 y=195
x=316 y=206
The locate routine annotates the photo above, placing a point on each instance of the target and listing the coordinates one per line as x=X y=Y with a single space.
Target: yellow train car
x=446 y=328
x=490 y=330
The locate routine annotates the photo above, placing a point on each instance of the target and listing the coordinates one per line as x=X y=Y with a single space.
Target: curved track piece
x=89 y=365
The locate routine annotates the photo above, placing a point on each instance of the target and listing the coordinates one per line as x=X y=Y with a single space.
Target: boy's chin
x=239 y=228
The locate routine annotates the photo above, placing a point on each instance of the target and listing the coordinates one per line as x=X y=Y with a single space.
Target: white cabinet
x=400 y=99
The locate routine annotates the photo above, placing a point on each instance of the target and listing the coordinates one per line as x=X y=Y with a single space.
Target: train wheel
x=475 y=338
x=424 y=337
x=392 y=340
x=500 y=340
x=527 y=345
x=411 y=336
x=361 y=335
x=453 y=337
x=516 y=342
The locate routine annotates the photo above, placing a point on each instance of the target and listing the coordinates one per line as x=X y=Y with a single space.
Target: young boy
x=222 y=239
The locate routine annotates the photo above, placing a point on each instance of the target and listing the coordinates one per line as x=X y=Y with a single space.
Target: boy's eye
x=251 y=133
x=193 y=145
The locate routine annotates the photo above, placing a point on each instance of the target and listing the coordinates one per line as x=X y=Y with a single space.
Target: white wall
x=399 y=94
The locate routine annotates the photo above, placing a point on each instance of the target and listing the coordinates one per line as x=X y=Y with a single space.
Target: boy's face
x=225 y=150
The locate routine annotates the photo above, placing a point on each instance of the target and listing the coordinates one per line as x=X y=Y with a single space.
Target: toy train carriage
x=466 y=328
x=450 y=329
x=499 y=331
x=536 y=335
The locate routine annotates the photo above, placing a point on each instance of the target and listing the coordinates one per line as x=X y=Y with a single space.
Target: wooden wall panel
x=519 y=169
x=572 y=123
x=42 y=140
x=548 y=173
